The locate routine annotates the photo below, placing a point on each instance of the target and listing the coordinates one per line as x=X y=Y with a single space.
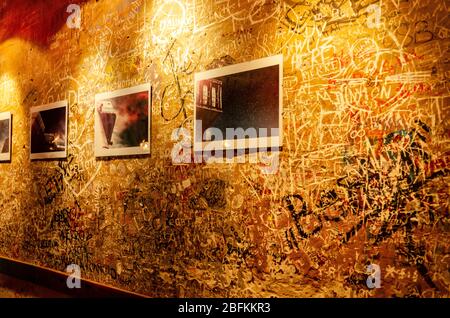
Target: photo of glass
x=239 y=106
x=122 y=122
x=5 y=136
x=49 y=131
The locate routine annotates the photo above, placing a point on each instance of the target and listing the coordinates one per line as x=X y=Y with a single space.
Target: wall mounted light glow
x=9 y=92
x=169 y=21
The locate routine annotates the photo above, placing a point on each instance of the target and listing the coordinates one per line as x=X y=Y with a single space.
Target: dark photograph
x=5 y=136
x=49 y=131
x=243 y=96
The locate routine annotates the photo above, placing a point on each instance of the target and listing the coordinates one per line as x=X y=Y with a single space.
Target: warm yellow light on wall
x=9 y=92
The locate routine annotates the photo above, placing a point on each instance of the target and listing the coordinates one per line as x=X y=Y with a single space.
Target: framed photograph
x=5 y=136
x=239 y=106
x=122 y=122
x=49 y=131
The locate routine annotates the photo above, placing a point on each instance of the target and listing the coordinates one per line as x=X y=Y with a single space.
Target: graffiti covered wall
x=363 y=176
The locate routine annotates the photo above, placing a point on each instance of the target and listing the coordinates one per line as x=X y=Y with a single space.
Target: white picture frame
x=5 y=136
x=113 y=120
x=49 y=131
x=275 y=63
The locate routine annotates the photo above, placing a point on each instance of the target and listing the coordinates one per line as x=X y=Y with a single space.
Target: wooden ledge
x=56 y=281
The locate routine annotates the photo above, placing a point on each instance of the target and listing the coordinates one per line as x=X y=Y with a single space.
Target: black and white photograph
x=5 y=136
x=122 y=122
x=49 y=131
x=239 y=106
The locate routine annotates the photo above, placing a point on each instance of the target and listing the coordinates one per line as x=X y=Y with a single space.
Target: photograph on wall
x=5 y=136
x=49 y=131
x=244 y=97
x=122 y=122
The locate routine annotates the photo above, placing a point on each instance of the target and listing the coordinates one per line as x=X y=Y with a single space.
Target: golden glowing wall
x=363 y=175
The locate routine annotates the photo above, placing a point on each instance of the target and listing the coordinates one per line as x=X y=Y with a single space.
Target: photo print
x=122 y=122
x=49 y=131
x=239 y=106
x=5 y=136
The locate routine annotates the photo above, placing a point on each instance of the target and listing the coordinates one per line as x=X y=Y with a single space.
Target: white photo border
x=6 y=157
x=55 y=154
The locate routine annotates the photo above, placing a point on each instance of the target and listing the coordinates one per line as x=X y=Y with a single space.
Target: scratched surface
x=364 y=171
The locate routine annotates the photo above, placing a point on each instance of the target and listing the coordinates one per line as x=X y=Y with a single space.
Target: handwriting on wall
x=363 y=175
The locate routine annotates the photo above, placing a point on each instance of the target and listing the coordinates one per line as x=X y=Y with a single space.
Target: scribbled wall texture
x=364 y=171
